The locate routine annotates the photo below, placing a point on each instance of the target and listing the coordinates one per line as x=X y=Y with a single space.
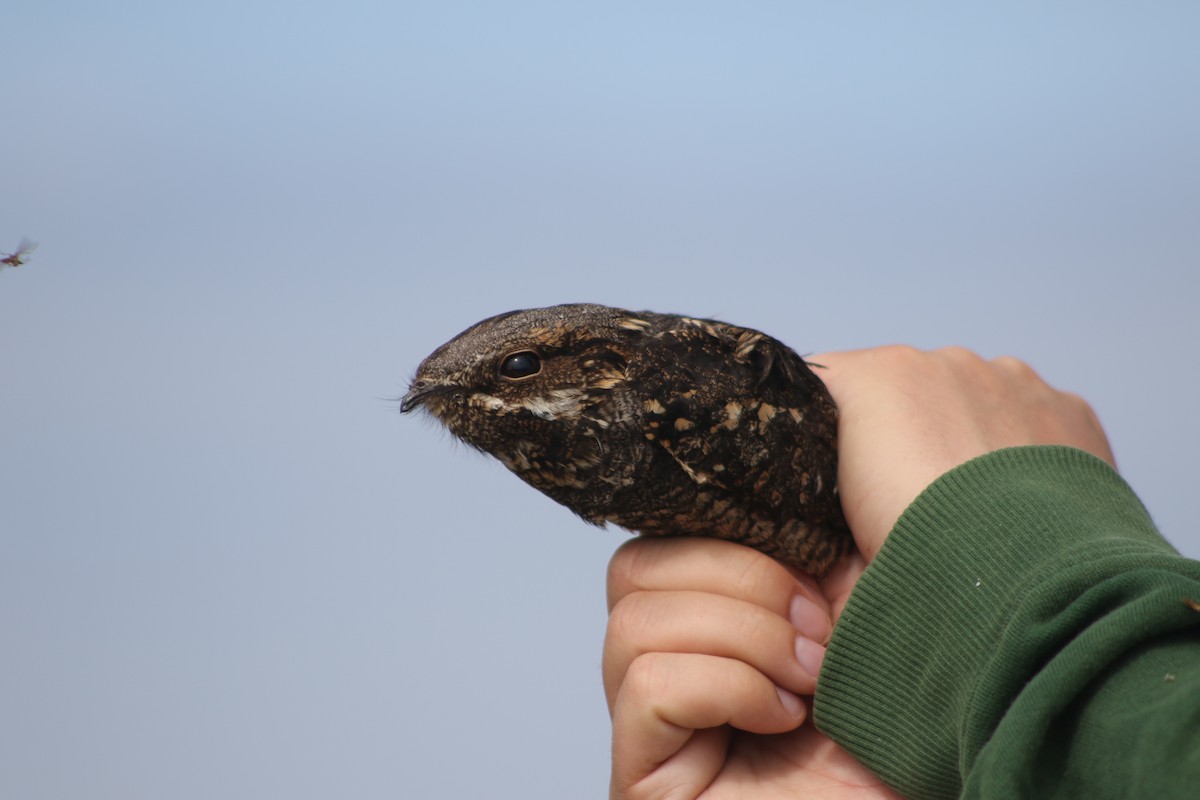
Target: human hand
x=697 y=670
x=907 y=416
x=709 y=643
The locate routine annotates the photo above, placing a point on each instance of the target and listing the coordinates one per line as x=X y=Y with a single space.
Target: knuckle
x=755 y=576
x=1016 y=367
x=621 y=569
x=755 y=628
x=628 y=619
x=960 y=355
x=647 y=677
x=628 y=566
x=899 y=353
x=1083 y=408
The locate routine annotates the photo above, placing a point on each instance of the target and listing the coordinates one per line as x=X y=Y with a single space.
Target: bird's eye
x=521 y=365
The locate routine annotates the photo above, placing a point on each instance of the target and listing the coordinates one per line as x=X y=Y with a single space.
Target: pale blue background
x=229 y=568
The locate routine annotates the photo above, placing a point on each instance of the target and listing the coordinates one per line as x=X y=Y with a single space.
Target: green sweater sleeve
x=1024 y=632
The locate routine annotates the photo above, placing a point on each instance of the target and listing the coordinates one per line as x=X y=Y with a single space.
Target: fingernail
x=810 y=655
x=793 y=704
x=809 y=619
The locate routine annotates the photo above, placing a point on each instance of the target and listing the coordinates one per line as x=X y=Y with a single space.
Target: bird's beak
x=417 y=392
x=411 y=400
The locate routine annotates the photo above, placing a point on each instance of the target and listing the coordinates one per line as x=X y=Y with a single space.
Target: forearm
x=1015 y=587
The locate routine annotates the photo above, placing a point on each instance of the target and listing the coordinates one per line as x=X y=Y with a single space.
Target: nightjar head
x=535 y=388
x=660 y=423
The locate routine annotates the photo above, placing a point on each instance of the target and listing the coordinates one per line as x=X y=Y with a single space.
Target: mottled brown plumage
x=658 y=423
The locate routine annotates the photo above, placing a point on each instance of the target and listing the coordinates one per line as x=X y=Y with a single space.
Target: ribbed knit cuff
x=901 y=673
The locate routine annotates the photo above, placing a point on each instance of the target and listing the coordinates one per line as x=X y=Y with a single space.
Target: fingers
x=668 y=718
x=702 y=635
x=712 y=565
x=711 y=624
x=688 y=595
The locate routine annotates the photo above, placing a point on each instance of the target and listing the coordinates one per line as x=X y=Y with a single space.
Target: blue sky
x=229 y=568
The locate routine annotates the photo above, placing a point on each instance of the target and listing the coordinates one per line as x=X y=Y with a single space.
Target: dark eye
x=521 y=365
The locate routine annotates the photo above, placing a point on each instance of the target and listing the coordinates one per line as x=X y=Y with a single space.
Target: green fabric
x=1024 y=632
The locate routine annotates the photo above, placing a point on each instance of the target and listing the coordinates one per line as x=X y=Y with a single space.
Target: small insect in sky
x=20 y=255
